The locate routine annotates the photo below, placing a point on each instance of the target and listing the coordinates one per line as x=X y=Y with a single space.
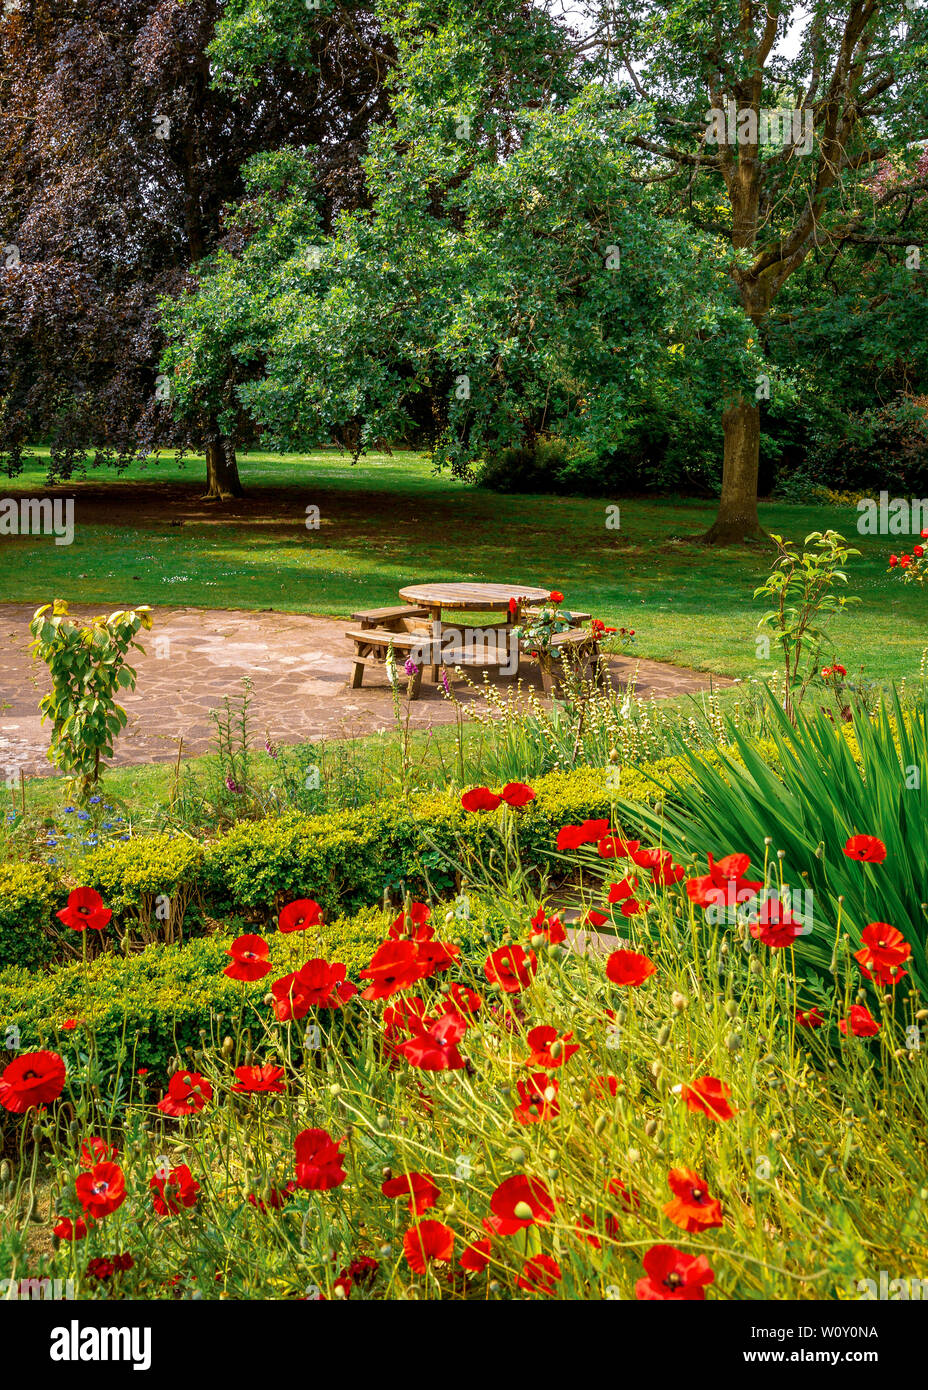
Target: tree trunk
x=737 y=518
x=222 y=480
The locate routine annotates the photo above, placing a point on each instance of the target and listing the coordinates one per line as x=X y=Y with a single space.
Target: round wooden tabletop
x=473 y=597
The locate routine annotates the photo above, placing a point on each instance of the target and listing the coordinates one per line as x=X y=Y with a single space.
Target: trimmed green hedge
x=144 y=1008
x=345 y=861
x=29 y=895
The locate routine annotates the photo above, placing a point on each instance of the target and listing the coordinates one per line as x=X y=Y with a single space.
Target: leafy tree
x=510 y=272
x=704 y=78
x=122 y=140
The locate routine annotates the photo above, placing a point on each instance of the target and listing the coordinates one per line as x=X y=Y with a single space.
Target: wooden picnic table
x=471 y=598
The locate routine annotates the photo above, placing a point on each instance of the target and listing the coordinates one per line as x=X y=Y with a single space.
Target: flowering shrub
x=913 y=568
x=675 y=1117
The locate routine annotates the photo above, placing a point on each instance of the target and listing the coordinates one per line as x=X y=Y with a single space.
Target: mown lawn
x=389 y=521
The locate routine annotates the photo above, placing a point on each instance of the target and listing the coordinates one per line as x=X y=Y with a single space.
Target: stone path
x=299 y=668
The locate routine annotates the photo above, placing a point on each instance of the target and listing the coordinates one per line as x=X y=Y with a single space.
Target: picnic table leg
x=436 y=641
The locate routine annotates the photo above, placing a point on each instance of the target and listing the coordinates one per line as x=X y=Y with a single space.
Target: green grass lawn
x=389 y=521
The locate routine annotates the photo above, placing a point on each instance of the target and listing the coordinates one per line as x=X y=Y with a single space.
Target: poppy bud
x=383 y=1123
x=74 y=1129
x=228 y=1047
x=517 y=1155
x=335 y=1089
x=600 y=1125
x=663 y=1036
x=634 y=1155
x=731 y=1008
x=755 y=966
x=6 y=1172
x=656 y=1069
x=650 y=1128
x=733 y=1042
x=679 y=1001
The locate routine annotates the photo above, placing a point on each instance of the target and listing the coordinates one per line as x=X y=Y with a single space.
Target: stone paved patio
x=299 y=667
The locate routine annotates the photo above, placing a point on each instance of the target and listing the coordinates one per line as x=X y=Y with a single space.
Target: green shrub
x=345 y=861
x=28 y=897
x=144 y=1008
x=146 y=880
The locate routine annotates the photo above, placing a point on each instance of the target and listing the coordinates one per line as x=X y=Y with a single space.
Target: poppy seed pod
x=228 y=1046
x=523 y=1212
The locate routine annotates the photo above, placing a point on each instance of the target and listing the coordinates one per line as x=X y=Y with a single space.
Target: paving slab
x=298 y=665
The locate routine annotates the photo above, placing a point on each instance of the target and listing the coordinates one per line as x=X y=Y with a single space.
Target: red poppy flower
x=618 y=892
x=542 y=1039
x=178 y=1188
x=69 y=1024
x=518 y=1202
x=511 y=968
x=476 y=1256
x=428 y=1241
x=319 y=1160
x=666 y=874
x=724 y=883
x=404 y=1017
x=882 y=953
x=555 y=596
x=538 y=1099
x=435 y=1047
x=867 y=848
x=99 y=1268
x=592 y=918
x=692 y=1208
x=300 y=915
x=187 y=1094
x=395 y=966
x=604 y=1086
x=319 y=984
x=96 y=1151
x=517 y=794
x=632 y=907
x=85 y=910
x=539 y=1275
x=413 y=923
x=710 y=1095
x=810 y=1018
x=629 y=968
x=266 y=1080
x=464 y=999
x=275 y=1197
x=480 y=799
x=72 y=1230
x=573 y=836
x=673 y=1275
x=585 y=1229
x=775 y=926
x=436 y=955
x=860 y=1021
x=363 y=1269
x=629 y=1197
x=420 y=1191
x=551 y=928
x=612 y=847
x=32 y=1078
x=101 y=1190
x=249 y=956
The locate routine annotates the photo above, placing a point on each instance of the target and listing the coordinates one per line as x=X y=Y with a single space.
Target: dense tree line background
x=479 y=228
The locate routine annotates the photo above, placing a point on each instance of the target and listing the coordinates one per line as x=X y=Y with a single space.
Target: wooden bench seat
x=383 y=617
